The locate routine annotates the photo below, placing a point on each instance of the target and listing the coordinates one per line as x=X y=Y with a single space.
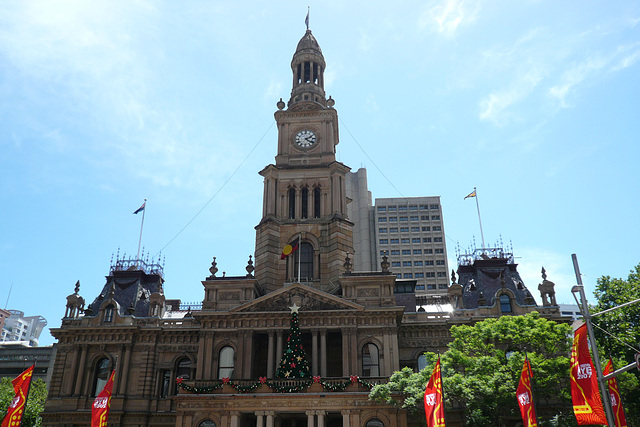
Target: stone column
x=234 y=419
x=279 y=333
x=346 y=360
x=323 y=353
x=81 y=369
x=270 y=357
x=125 y=370
x=259 y=418
x=270 y=415
x=345 y=418
x=70 y=381
x=310 y=418
x=314 y=351
x=320 y=418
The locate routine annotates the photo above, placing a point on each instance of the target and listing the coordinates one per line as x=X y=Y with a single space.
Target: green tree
x=35 y=402
x=618 y=334
x=481 y=369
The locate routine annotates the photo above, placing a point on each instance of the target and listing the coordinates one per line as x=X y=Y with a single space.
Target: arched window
x=304 y=196
x=422 y=362
x=292 y=203
x=108 y=313
x=207 y=423
x=305 y=252
x=316 y=202
x=225 y=362
x=101 y=375
x=374 y=422
x=505 y=303
x=183 y=368
x=370 y=361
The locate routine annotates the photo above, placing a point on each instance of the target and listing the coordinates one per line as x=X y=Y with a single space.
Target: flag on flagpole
x=614 y=393
x=433 y=406
x=101 y=405
x=525 y=396
x=306 y=20
x=141 y=208
x=472 y=194
x=290 y=248
x=585 y=395
x=16 y=408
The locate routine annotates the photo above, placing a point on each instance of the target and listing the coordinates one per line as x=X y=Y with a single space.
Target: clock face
x=305 y=138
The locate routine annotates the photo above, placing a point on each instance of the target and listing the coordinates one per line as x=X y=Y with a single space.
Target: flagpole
x=299 y=254
x=479 y=219
x=141 y=225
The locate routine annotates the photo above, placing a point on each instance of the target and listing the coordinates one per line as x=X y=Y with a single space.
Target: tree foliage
x=481 y=370
x=618 y=334
x=35 y=402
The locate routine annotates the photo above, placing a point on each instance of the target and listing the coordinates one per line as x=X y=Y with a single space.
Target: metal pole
x=604 y=390
x=479 y=219
x=141 y=225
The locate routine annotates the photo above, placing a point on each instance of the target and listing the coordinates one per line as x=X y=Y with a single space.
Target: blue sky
x=103 y=104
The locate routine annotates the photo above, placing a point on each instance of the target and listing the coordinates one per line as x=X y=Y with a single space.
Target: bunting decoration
x=525 y=396
x=614 y=393
x=100 y=407
x=433 y=406
x=19 y=403
x=587 y=404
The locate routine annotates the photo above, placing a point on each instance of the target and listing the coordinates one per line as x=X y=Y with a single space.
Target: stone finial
x=131 y=309
x=385 y=263
x=547 y=289
x=77 y=288
x=213 y=269
x=330 y=102
x=544 y=274
x=347 y=264
x=280 y=104
x=250 y=268
x=453 y=277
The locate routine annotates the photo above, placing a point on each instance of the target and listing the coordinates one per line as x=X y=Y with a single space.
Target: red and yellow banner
x=18 y=404
x=525 y=397
x=100 y=407
x=433 y=407
x=614 y=393
x=585 y=395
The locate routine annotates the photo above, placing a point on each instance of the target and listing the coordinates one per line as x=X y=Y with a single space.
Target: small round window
x=374 y=422
x=207 y=423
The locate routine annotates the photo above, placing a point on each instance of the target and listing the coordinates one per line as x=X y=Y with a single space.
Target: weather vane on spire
x=306 y=20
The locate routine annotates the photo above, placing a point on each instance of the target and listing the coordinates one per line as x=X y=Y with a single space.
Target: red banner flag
x=433 y=407
x=525 y=397
x=587 y=404
x=18 y=404
x=100 y=407
x=614 y=392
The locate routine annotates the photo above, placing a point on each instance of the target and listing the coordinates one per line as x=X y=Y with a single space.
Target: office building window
x=225 y=362
x=419 y=275
x=426 y=239
x=405 y=240
x=395 y=263
x=415 y=229
x=382 y=252
x=435 y=217
x=437 y=239
x=439 y=251
x=382 y=219
x=402 y=208
x=440 y=262
x=394 y=241
x=404 y=229
x=417 y=263
x=404 y=218
x=417 y=251
x=393 y=230
x=101 y=375
x=424 y=207
x=406 y=252
x=393 y=219
x=437 y=228
x=384 y=241
x=304 y=196
x=419 y=287
x=392 y=208
x=382 y=230
x=395 y=252
x=442 y=286
x=399 y=276
x=442 y=274
x=431 y=287
x=316 y=202
x=406 y=263
x=382 y=208
x=424 y=218
x=408 y=275
x=505 y=303
x=430 y=274
x=415 y=240
x=413 y=207
x=370 y=362
x=292 y=203
x=428 y=251
x=435 y=206
x=428 y=263
x=414 y=218
x=426 y=229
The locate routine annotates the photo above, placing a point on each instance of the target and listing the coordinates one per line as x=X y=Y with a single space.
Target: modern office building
x=410 y=231
x=18 y=327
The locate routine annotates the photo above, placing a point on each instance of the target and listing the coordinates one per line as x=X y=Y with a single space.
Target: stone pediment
x=305 y=297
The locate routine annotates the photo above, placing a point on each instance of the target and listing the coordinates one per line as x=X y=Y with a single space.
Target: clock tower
x=304 y=192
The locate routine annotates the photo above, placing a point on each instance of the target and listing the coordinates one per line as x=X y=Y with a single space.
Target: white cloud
x=575 y=76
x=495 y=106
x=446 y=16
x=559 y=270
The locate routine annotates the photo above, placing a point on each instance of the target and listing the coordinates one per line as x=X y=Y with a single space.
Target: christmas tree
x=293 y=363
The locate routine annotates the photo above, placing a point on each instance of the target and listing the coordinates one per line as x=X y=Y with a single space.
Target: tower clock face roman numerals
x=305 y=138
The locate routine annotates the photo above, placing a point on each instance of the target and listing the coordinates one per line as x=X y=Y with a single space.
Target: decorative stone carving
x=547 y=289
